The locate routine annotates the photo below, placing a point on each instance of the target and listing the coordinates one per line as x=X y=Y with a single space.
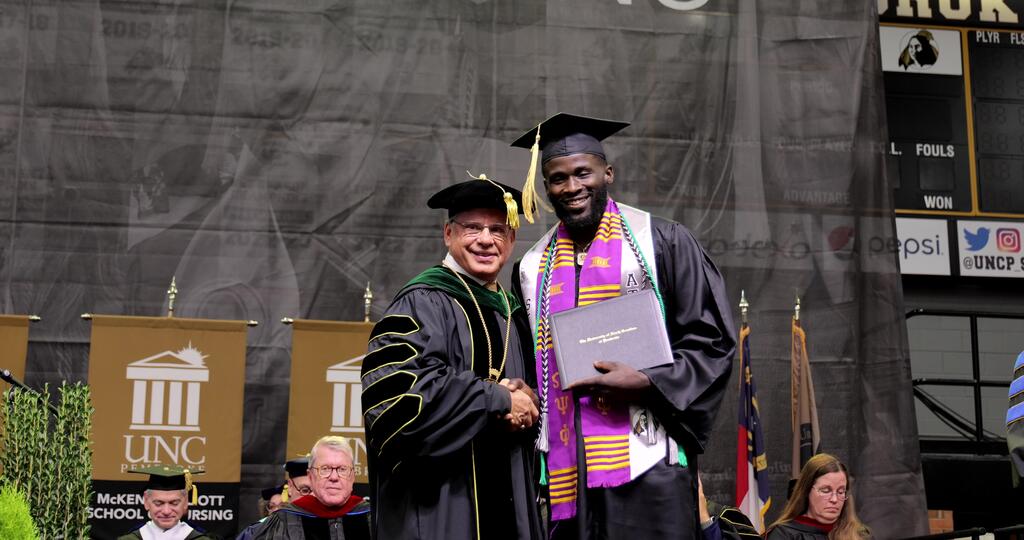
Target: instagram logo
x=1008 y=240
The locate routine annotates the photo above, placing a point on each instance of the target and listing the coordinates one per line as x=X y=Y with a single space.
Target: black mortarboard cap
x=297 y=467
x=480 y=192
x=267 y=493
x=561 y=135
x=564 y=134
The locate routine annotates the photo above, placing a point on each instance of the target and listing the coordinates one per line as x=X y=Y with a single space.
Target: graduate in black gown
x=600 y=249
x=446 y=392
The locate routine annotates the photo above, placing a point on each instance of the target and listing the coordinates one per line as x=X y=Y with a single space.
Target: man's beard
x=588 y=220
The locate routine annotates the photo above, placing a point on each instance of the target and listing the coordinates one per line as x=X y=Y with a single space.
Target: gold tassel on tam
x=530 y=197
x=191 y=488
x=284 y=493
x=511 y=208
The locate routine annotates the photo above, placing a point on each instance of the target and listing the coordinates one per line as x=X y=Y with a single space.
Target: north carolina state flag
x=753 y=496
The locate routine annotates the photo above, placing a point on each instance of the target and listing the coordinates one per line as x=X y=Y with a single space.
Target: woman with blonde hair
x=821 y=506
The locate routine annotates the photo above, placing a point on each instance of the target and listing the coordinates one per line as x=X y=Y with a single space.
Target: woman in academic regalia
x=821 y=506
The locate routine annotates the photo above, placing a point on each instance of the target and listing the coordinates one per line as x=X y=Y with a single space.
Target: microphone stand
x=6 y=375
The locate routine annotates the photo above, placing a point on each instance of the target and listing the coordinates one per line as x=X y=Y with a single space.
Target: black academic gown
x=685 y=398
x=731 y=523
x=292 y=522
x=442 y=464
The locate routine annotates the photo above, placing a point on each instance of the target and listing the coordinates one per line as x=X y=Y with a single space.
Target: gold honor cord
x=492 y=374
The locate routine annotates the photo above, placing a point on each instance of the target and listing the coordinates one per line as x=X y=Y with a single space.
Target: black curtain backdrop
x=276 y=155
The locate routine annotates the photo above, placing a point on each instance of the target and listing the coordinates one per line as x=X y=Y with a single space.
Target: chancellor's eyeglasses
x=325 y=471
x=472 y=229
x=827 y=493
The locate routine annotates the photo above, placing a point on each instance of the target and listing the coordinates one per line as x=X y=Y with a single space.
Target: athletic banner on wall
x=166 y=390
x=326 y=389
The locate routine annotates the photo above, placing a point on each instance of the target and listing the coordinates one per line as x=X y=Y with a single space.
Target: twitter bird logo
x=976 y=240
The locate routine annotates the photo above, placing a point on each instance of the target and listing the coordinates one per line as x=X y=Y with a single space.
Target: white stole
x=151 y=531
x=642 y=456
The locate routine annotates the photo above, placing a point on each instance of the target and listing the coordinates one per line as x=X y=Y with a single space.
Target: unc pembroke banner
x=14 y=336
x=326 y=389
x=166 y=390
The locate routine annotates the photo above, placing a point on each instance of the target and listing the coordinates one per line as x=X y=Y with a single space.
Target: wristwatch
x=705 y=524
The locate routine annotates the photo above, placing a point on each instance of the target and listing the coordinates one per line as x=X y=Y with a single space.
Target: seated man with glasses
x=297 y=478
x=330 y=509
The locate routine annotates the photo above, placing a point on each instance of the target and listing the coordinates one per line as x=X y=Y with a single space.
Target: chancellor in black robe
x=442 y=462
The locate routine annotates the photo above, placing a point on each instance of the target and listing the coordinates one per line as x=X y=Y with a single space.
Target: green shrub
x=49 y=459
x=15 y=520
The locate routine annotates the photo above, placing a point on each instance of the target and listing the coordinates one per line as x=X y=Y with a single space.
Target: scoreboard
x=954 y=89
x=955 y=105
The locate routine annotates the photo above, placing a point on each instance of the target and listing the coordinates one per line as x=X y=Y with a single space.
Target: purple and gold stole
x=605 y=429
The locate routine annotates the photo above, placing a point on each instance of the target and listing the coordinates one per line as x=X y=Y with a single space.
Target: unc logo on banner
x=156 y=381
x=169 y=381
x=165 y=397
x=347 y=409
x=320 y=383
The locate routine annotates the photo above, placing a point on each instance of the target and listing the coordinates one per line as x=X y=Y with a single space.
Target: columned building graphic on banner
x=346 y=406
x=165 y=395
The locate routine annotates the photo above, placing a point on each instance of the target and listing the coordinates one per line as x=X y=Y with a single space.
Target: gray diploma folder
x=629 y=329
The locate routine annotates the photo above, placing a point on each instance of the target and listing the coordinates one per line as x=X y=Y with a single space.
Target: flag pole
x=367 y=302
x=753 y=497
x=172 y=293
x=796 y=309
x=744 y=305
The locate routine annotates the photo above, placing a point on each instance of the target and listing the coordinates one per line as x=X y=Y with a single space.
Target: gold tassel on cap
x=191 y=488
x=511 y=208
x=530 y=197
x=284 y=493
